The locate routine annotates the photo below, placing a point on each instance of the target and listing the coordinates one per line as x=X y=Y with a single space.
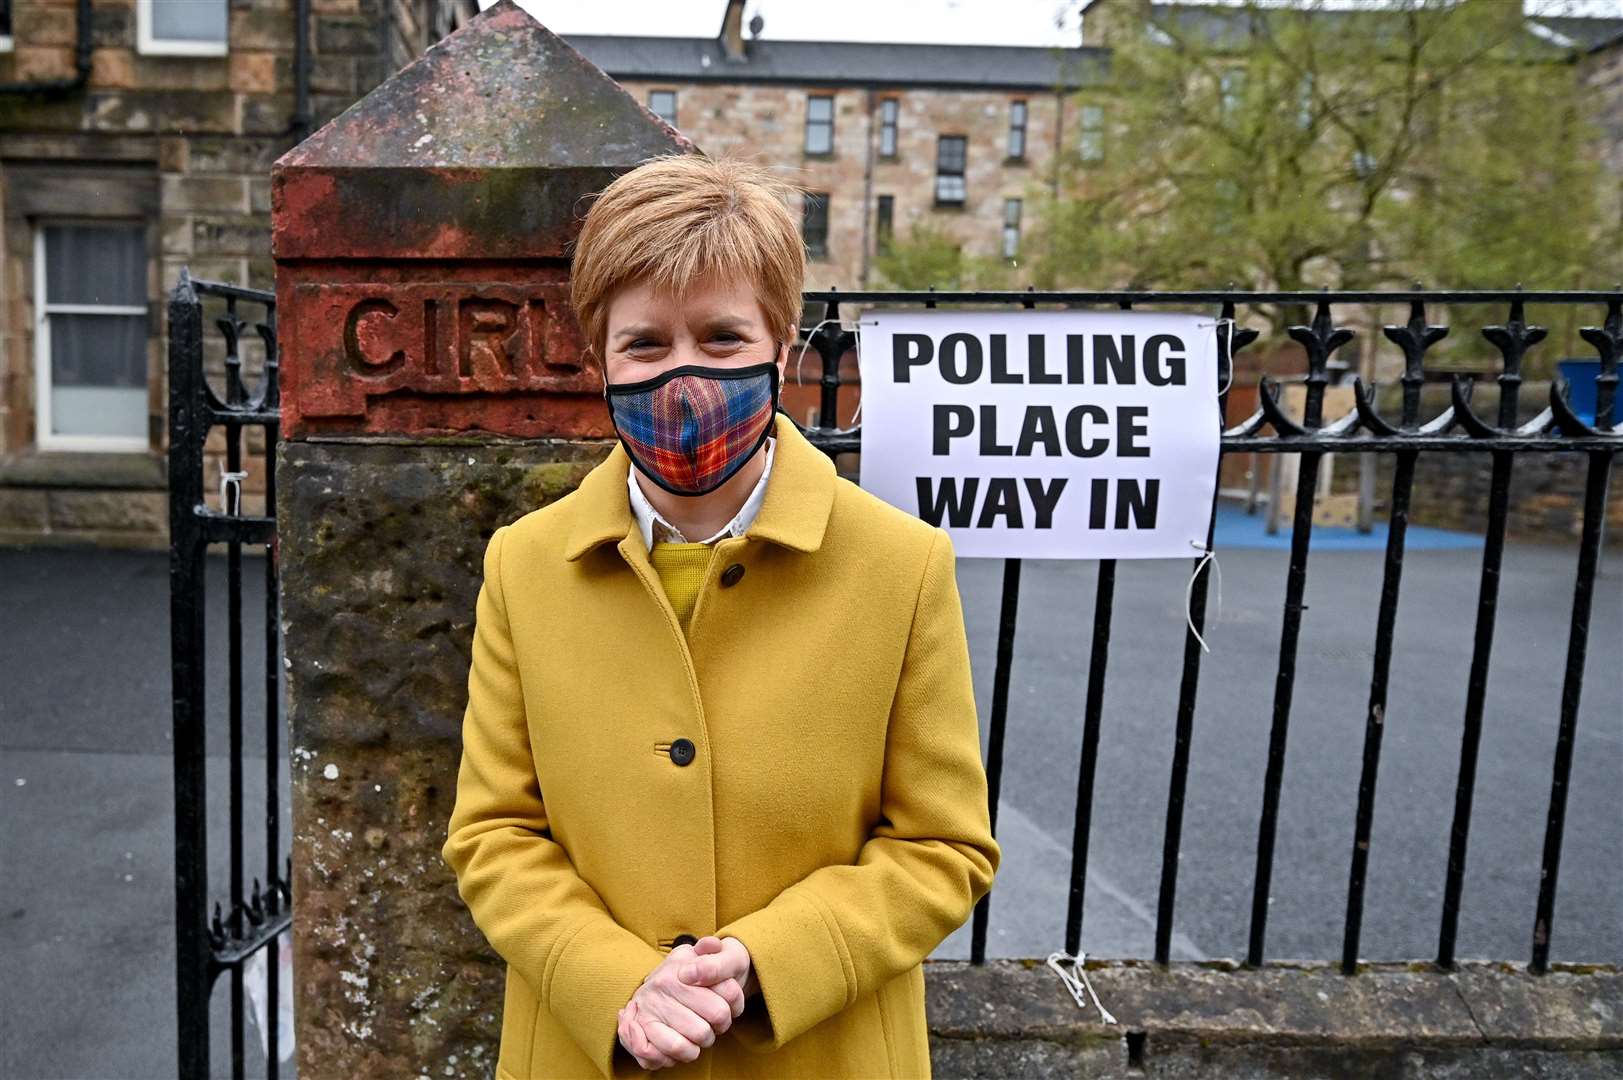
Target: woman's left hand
x=718 y=959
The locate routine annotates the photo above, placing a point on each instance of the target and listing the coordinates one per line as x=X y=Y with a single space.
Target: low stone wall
x=1451 y=489
x=1014 y=1018
x=1546 y=495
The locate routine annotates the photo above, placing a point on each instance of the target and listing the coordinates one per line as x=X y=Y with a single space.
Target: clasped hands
x=692 y=997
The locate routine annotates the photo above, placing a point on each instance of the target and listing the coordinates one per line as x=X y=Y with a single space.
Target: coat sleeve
x=536 y=911
x=843 y=931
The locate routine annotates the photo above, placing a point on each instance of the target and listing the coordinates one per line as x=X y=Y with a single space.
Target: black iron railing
x=1456 y=430
x=210 y=944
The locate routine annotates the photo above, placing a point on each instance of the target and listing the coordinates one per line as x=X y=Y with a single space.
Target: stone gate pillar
x=433 y=388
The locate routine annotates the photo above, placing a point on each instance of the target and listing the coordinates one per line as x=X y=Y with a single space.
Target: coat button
x=682 y=751
x=684 y=939
x=731 y=575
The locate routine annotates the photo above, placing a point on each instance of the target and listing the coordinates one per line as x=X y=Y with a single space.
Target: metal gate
x=211 y=942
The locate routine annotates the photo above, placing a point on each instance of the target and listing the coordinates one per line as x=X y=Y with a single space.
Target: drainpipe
x=299 y=125
x=1059 y=137
x=81 y=65
x=867 y=186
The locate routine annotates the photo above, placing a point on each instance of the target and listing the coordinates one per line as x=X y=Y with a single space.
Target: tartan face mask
x=691 y=428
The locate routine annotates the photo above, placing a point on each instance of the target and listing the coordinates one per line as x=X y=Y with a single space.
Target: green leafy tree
x=932 y=254
x=1309 y=146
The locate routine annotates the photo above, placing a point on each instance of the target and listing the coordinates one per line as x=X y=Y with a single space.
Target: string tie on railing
x=1207 y=555
x=231 y=480
x=1076 y=980
x=854 y=327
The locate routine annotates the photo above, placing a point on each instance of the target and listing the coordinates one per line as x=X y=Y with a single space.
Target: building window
x=90 y=284
x=662 y=103
x=1231 y=89
x=1093 y=133
x=1011 y=228
x=888 y=110
x=1017 y=129
x=182 y=27
x=1227 y=195
x=814 y=224
x=950 y=151
x=5 y=25
x=820 y=124
x=884 y=222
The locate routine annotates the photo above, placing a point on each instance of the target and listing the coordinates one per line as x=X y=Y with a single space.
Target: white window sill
x=184 y=48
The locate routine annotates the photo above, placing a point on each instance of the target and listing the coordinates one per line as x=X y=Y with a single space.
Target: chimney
x=732 y=32
x=1104 y=22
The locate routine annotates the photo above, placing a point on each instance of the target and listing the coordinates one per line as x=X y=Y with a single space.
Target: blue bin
x=1582 y=391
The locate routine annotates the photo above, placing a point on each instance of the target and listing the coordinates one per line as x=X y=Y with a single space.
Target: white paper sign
x=1045 y=434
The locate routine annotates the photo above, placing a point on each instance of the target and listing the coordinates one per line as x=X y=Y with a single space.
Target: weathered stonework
x=1014 y=1018
x=767 y=121
x=381 y=547
x=1546 y=490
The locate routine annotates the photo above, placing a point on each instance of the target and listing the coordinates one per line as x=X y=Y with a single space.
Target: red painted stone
x=422 y=240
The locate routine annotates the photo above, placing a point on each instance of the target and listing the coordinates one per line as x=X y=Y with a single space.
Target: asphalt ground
x=86 y=789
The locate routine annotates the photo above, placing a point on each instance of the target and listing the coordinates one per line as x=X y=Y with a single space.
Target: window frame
x=884 y=222
x=819 y=199
x=1231 y=87
x=1091 y=134
x=1019 y=129
x=961 y=174
x=805 y=138
x=1018 y=206
x=44 y=437
x=891 y=126
x=671 y=120
x=148 y=45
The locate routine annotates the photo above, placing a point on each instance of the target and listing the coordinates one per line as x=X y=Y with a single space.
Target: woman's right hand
x=668 y=1021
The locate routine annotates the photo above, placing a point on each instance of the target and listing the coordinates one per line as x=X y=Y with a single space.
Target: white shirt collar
x=650 y=519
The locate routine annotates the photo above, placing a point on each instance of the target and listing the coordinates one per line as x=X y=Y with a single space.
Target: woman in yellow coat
x=721 y=788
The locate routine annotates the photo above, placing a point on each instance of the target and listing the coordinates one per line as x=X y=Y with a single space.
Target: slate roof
x=1584 y=33
x=1227 y=27
x=845 y=63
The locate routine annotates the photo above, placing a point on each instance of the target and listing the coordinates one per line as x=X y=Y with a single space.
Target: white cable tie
x=854 y=328
x=231 y=479
x=1230 y=352
x=1207 y=555
x=809 y=335
x=1076 y=980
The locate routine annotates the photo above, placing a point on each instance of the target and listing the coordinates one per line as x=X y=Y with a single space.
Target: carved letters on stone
x=370 y=339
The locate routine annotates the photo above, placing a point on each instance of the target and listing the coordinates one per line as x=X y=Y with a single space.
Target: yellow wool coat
x=801 y=771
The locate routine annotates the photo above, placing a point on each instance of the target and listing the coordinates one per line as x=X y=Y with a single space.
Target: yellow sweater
x=681 y=568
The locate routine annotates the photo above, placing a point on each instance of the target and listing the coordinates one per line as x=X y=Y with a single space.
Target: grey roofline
x=846 y=63
x=1607 y=43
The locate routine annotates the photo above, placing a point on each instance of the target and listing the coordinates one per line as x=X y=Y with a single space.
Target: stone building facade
x=883 y=137
x=136 y=136
x=1602 y=74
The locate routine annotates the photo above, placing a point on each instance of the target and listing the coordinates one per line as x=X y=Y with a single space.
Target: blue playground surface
x=1237 y=529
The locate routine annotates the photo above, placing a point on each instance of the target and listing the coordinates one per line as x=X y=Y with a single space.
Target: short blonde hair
x=680 y=217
